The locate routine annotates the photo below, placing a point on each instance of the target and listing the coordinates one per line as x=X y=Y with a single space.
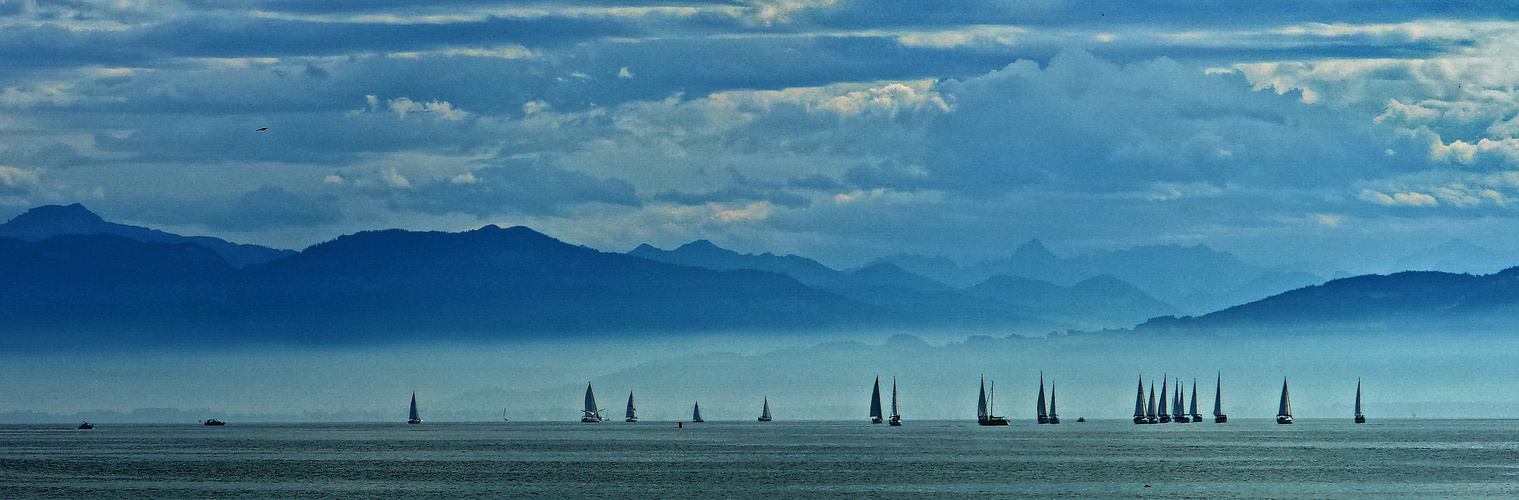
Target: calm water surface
x=1103 y=459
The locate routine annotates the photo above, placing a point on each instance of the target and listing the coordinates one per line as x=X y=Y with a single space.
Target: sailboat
x=1218 y=401
x=1284 y=409
x=1139 y=404
x=1044 y=417
x=875 y=403
x=1360 y=418
x=1177 y=409
x=765 y=414
x=984 y=407
x=1196 y=417
x=896 y=416
x=590 y=414
x=632 y=414
x=1054 y=419
x=1150 y=417
x=414 y=418
x=696 y=413
x=1165 y=418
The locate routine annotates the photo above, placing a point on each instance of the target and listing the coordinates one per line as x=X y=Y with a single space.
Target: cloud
x=512 y=187
x=15 y=181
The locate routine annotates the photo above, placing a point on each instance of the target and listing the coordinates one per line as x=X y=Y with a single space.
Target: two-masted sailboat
x=1177 y=409
x=765 y=413
x=696 y=413
x=414 y=418
x=896 y=416
x=875 y=404
x=1218 y=401
x=986 y=405
x=632 y=413
x=1360 y=418
x=1284 y=409
x=590 y=414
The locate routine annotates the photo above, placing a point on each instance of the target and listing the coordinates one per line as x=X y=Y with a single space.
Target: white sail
x=632 y=412
x=1039 y=407
x=981 y=410
x=894 y=412
x=1150 y=409
x=1218 y=396
x=875 y=401
x=1053 y=413
x=1194 y=400
x=1358 y=397
x=1139 y=399
x=1284 y=409
x=1164 y=413
x=1179 y=392
x=590 y=410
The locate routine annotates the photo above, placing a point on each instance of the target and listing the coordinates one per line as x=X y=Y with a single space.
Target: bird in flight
x=261 y=129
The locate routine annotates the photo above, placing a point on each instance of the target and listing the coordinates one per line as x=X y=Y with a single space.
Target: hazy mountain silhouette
x=48 y=221
x=1400 y=300
x=1193 y=279
x=1458 y=256
x=705 y=254
x=1100 y=300
x=880 y=284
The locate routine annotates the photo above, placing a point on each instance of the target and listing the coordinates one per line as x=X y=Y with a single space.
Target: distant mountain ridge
x=47 y=221
x=1407 y=299
x=888 y=285
x=1195 y=279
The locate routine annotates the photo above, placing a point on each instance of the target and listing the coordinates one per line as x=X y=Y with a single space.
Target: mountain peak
x=69 y=218
x=1033 y=249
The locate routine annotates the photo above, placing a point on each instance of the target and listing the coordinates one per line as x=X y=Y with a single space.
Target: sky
x=1342 y=132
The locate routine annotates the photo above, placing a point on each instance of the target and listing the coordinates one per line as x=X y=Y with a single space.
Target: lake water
x=948 y=459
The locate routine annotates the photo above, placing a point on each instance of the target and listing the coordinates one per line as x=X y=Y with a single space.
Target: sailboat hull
x=631 y=419
x=1221 y=419
x=1182 y=419
x=895 y=421
x=876 y=420
x=1054 y=420
x=1196 y=418
x=1141 y=420
x=992 y=421
x=414 y=421
x=1284 y=419
x=1360 y=419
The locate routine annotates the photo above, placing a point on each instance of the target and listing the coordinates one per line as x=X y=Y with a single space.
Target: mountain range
x=1194 y=279
x=48 y=221
x=72 y=277
x=1098 y=302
